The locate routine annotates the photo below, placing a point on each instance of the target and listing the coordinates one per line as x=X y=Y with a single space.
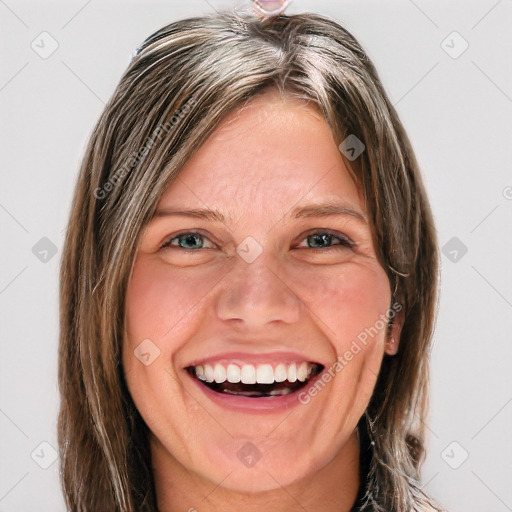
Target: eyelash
x=345 y=242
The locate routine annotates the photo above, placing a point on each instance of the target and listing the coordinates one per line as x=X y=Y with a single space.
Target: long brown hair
x=181 y=82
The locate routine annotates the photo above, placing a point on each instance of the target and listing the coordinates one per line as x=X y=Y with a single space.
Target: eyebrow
x=199 y=213
x=327 y=209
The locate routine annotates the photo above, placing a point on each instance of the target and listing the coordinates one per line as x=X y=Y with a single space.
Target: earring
x=393 y=346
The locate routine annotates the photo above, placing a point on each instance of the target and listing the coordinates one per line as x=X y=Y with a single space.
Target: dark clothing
x=365 y=457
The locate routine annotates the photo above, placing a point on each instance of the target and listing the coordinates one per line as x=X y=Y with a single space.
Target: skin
x=259 y=164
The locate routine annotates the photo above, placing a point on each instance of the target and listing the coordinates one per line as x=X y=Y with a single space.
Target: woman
x=248 y=286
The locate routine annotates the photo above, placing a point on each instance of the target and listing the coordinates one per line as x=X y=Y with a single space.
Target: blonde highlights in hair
x=182 y=81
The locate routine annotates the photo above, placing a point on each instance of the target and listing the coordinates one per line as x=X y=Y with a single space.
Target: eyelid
x=335 y=233
x=332 y=232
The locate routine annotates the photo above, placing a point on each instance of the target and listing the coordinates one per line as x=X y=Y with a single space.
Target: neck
x=333 y=488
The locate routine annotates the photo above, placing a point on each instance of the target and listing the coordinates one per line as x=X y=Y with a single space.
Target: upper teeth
x=250 y=374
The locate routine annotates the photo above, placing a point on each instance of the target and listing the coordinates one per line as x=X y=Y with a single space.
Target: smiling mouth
x=260 y=381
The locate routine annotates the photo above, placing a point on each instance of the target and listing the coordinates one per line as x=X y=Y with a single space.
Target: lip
x=241 y=358
x=264 y=405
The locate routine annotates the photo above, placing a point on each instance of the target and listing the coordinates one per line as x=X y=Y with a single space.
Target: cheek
x=347 y=301
x=157 y=308
x=161 y=304
x=352 y=303
x=348 y=306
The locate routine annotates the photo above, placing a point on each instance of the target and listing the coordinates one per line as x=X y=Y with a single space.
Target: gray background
x=457 y=110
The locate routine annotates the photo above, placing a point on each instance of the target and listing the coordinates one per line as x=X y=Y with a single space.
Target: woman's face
x=276 y=280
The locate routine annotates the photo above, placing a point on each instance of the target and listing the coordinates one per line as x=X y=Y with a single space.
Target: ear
x=393 y=339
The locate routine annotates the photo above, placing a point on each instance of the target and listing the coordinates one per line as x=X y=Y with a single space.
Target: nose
x=256 y=294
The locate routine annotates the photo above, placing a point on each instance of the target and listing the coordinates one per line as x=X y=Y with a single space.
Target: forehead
x=275 y=152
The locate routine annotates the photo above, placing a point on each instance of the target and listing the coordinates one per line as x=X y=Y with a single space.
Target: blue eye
x=187 y=241
x=321 y=240
x=318 y=241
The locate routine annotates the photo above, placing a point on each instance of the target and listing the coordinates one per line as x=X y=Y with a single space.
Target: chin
x=256 y=466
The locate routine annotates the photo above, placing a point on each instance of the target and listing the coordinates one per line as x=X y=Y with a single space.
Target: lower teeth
x=257 y=394
x=255 y=390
